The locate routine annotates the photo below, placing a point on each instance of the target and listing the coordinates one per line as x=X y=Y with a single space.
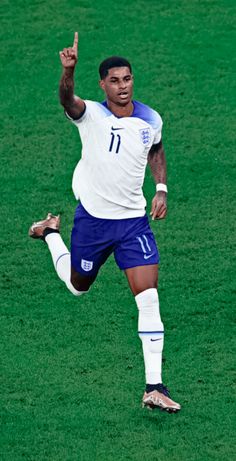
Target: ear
x=102 y=85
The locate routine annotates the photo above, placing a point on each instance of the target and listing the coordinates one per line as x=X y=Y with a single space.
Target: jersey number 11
x=115 y=143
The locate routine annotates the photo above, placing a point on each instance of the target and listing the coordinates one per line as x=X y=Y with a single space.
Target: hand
x=69 y=56
x=159 y=207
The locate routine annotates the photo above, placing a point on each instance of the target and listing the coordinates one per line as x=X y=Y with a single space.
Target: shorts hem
x=137 y=265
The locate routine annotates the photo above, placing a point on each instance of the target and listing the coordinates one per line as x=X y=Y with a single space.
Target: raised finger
x=75 y=44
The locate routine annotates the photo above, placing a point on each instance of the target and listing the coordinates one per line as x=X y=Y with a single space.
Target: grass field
x=72 y=370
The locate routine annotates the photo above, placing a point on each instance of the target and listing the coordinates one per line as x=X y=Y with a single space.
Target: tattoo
x=66 y=89
x=157 y=163
x=74 y=107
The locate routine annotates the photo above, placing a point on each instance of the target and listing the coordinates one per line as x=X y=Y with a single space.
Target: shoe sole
x=156 y=407
x=152 y=407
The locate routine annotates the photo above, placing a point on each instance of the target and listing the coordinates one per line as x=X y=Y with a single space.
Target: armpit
x=155 y=148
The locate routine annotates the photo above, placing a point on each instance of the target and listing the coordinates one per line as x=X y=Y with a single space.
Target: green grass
x=72 y=371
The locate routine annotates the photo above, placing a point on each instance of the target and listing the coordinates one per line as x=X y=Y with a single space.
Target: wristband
x=161 y=187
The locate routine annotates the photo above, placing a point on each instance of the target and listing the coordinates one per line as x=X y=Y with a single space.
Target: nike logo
x=158 y=339
x=116 y=128
x=148 y=256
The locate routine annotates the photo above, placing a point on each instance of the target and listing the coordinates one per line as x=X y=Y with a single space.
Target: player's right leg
x=48 y=230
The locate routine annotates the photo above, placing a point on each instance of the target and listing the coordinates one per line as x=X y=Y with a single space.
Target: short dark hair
x=113 y=61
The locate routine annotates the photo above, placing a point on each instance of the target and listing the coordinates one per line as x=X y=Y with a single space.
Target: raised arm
x=157 y=162
x=73 y=106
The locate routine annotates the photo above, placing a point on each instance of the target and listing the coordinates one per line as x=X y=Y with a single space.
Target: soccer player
x=119 y=136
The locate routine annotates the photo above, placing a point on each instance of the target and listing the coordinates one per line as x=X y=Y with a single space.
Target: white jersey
x=109 y=177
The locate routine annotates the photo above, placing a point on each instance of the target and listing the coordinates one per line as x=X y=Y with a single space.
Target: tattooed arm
x=157 y=162
x=73 y=106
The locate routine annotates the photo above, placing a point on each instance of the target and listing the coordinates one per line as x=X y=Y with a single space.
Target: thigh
x=142 y=278
x=137 y=246
x=89 y=247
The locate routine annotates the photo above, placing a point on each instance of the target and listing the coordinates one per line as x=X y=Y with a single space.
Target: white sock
x=151 y=333
x=61 y=260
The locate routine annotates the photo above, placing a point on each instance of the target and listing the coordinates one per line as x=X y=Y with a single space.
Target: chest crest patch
x=145 y=135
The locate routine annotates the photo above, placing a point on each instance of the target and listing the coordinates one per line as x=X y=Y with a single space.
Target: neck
x=121 y=111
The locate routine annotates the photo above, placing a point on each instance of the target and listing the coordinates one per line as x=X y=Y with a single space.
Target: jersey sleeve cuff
x=75 y=120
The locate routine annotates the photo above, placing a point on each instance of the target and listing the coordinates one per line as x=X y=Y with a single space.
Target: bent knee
x=81 y=283
x=74 y=290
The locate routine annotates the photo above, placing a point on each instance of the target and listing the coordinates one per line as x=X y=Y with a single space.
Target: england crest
x=86 y=265
x=145 y=135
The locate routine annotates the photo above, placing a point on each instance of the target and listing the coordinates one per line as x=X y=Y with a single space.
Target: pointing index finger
x=75 y=44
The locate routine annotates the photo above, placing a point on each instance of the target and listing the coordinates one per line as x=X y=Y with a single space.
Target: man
x=118 y=136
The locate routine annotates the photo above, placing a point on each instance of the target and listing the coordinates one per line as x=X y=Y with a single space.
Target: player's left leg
x=141 y=278
x=143 y=282
x=137 y=255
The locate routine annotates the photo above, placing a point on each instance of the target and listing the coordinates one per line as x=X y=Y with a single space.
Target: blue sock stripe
x=64 y=254
x=150 y=332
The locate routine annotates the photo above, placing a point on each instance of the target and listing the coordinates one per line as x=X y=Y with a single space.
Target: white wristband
x=161 y=187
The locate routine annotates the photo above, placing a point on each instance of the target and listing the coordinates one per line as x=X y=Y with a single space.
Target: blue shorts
x=94 y=239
